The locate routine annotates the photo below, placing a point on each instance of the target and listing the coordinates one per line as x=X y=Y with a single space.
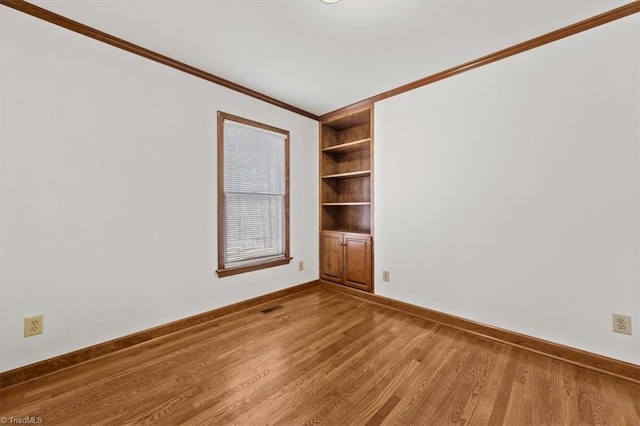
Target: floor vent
x=271 y=309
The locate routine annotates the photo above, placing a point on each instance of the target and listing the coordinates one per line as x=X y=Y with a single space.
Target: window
x=253 y=195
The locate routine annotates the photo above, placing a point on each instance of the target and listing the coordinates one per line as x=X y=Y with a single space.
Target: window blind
x=254 y=194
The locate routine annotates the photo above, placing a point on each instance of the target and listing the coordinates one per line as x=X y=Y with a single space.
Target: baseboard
x=614 y=367
x=31 y=371
x=621 y=369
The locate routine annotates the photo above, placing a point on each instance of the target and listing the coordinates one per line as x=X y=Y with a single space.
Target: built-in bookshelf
x=346 y=147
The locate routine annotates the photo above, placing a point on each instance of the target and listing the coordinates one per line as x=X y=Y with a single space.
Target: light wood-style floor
x=324 y=358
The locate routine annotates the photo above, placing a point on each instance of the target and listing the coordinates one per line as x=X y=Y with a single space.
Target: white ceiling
x=320 y=57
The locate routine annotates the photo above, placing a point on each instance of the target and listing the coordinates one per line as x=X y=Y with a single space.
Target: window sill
x=222 y=272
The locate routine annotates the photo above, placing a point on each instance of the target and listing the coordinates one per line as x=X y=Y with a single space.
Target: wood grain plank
x=324 y=357
x=581 y=358
x=31 y=371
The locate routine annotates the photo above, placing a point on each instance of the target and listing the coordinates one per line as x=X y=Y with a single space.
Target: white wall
x=509 y=194
x=109 y=192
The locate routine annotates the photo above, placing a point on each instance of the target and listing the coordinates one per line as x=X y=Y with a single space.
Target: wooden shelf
x=361 y=145
x=348 y=175
x=346 y=163
x=348 y=119
x=352 y=203
x=348 y=231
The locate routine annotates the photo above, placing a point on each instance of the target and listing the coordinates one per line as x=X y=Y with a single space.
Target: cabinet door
x=331 y=256
x=357 y=263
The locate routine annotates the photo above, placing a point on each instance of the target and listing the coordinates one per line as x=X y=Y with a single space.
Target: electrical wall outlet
x=621 y=324
x=386 y=276
x=301 y=266
x=33 y=325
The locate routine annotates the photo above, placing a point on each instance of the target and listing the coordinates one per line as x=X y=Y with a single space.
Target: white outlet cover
x=621 y=324
x=33 y=325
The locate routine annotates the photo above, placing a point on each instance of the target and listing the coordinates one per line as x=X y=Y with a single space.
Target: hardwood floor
x=324 y=357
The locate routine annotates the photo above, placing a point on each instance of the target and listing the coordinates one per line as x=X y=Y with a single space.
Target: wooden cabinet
x=346 y=197
x=346 y=259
